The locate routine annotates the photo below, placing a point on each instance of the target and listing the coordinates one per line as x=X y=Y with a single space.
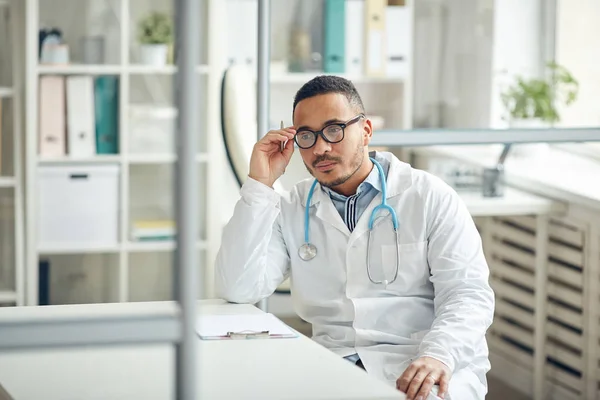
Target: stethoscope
x=308 y=251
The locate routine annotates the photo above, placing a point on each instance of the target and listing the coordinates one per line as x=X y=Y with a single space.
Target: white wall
x=518 y=44
x=578 y=30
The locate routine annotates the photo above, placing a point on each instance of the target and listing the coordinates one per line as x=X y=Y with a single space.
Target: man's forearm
x=249 y=260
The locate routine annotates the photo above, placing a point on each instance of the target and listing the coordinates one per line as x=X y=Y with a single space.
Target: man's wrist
x=265 y=182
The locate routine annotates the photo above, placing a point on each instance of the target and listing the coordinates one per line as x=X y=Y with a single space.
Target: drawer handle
x=78 y=176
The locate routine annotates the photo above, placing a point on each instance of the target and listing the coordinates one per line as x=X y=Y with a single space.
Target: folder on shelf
x=398 y=37
x=153 y=230
x=52 y=127
x=249 y=31
x=106 y=104
x=81 y=126
x=375 y=37
x=246 y=326
x=355 y=33
x=335 y=20
x=242 y=41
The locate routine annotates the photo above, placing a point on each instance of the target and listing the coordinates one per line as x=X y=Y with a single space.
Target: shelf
x=160 y=158
x=157 y=246
x=6 y=92
x=7 y=296
x=85 y=69
x=82 y=69
x=77 y=248
x=303 y=77
x=7 y=182
x=167 y=69
x=99 y=159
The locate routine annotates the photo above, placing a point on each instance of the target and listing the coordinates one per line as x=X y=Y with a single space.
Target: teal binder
x=335 y=41
x=106 y=93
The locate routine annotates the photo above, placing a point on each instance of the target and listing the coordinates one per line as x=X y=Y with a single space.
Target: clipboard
x=242 y=326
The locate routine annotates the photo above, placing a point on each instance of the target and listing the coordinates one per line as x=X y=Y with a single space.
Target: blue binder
x=335 y=41
x=106 y=93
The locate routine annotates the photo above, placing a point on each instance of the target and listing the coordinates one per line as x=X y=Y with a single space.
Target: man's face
x=332 y=164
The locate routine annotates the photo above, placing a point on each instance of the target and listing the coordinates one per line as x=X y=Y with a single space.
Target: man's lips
x=325 y=165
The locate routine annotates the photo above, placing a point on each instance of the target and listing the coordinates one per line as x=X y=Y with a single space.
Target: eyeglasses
x=333 y=133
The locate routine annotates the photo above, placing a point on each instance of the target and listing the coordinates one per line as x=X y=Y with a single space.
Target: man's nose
x=321 y=146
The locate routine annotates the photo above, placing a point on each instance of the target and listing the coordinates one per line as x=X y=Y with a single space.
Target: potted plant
x=155 y=34
x=533 y=102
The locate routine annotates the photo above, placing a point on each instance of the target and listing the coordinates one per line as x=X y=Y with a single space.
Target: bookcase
x=100 y=157
x=11 y=171
x=100 y=217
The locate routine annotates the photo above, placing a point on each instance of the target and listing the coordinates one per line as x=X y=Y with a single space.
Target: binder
x=81 y=127
x=355 y=34
x=245 y=326
x=51 y=123
x=375 y=38
x=242 y=41
x=335 y=22
x=249 y=38
x=106 y=104
x=398 y=37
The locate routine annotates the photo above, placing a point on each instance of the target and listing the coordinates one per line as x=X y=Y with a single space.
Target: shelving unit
x=388 y=97
x=11 y=172
x=143 y=177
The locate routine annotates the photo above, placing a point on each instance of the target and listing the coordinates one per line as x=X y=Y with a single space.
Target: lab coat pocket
x=413 y=269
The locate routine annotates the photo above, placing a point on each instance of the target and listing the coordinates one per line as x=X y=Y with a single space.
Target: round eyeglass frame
x=342 y=125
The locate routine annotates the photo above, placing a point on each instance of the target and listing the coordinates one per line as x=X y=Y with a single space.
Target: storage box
x=152 y=129
x=78 y=207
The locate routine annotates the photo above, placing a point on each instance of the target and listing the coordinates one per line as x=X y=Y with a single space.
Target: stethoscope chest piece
x=307 y=251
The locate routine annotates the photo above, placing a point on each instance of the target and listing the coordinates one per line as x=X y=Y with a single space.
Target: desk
x=276 y=369
x=514 y=202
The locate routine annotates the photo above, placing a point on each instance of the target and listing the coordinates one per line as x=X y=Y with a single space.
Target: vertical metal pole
x=187 y=25
x=264 y=57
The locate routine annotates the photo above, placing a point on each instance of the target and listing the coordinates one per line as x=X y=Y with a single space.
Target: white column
x=578 y=28
x=517 y=49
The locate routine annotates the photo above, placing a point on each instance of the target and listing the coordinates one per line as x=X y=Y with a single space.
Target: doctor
x=411 y=306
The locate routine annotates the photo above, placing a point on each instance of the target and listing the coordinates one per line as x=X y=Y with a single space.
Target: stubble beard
x=357 y=160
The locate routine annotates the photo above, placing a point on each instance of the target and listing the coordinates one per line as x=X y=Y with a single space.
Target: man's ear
x=367 y=131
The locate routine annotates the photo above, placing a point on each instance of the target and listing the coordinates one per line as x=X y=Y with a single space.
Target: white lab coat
x=440 y=305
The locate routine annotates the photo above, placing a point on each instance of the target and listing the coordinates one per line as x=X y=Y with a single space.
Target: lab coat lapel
x=327 y=212
x=399 y=179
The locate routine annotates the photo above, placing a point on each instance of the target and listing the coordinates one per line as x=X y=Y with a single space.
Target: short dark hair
x=325 y=84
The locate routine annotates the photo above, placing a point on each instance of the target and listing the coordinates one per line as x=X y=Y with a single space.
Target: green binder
x=335 y=29
x=106 y=93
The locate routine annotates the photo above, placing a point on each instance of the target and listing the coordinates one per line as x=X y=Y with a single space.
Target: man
x=411 y=307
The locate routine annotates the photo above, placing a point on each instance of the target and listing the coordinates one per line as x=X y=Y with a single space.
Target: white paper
x=216 y=326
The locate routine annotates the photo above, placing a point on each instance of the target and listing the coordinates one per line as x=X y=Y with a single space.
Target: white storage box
x=152 y=129
x=78 y=207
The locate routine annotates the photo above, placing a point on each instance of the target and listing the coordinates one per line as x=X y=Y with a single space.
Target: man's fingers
x=288 y=150
x=426 y=387
x=415 y=384
x=274 y=137
x=403 y=382
x=444 y=381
